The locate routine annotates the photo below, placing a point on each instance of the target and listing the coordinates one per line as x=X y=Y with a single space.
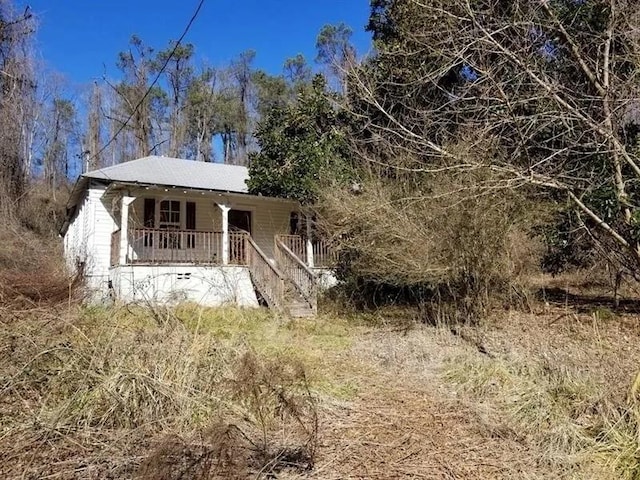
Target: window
x=169 y=214
x=169 y=220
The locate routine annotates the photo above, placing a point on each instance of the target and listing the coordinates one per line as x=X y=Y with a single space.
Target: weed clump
x=560 y=410
x=272 y=426
x=171 y=401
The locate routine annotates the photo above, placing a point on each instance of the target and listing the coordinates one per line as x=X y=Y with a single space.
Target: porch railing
x=159 y=246
x=323 y=255
x=297 y=272
x=267 y=279
x=296 y=243
x=238 y=248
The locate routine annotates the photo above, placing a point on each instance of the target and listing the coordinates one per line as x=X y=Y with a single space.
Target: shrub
x=438 y=240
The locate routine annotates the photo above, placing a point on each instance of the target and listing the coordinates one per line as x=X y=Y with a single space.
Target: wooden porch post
x=124 y=229
x=225 y=233
x=309 y=243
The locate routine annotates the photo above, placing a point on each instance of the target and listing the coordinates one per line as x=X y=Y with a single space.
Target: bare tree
x=17 y=92
x=551 y=85
x=136 y=65
x=241 y=70
x=200 y=112
x=179 y=75
x=93 y=137
x=56 y=159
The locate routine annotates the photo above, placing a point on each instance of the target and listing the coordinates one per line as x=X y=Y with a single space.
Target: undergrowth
x=149 y=382
x=561 y=410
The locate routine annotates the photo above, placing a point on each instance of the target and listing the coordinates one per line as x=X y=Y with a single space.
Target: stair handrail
x=296 y=243
x=302 y=277
x=267 y=277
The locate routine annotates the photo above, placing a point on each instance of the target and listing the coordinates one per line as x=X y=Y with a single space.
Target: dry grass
x=538 y=395
x=227 y=393
x=102 y=389
x=32 y=272
x=561 y=379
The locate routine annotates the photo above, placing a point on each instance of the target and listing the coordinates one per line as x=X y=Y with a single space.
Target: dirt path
x=405 y=422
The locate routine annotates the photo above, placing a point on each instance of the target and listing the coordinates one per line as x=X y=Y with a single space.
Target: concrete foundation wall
x=208 y=286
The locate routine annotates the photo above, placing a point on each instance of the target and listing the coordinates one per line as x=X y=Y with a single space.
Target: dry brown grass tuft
x=32 y=270
x=217 y=452
x=274 y=428
x=112 y=392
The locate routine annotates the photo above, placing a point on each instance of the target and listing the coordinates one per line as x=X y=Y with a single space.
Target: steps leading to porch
x=295 y=304
x=302 y=283
x=279 y=291
x=300 y=309
x=292 y=304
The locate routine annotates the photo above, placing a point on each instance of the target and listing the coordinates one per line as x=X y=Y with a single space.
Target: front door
x=238 y=220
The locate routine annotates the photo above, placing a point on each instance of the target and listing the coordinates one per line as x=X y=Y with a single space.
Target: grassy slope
x=195 y=393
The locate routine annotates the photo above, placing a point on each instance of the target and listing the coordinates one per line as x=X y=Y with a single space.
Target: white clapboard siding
x=269 y=219
x=88 y=239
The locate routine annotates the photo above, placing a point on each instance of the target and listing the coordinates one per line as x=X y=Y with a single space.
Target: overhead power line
x=155 y=80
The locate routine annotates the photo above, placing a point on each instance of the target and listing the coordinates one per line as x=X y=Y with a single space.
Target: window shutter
x=190 y=224
x=191 y=216
x=149 y=212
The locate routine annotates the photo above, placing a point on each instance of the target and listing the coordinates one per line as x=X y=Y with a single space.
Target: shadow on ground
x=586 y=303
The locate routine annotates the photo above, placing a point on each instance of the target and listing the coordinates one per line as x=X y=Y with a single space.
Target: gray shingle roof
x=176 y=172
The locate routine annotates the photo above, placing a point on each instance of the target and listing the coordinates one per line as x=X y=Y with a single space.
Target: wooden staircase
x=300 y=309
x=302 y=282
x=295 y=304
x=290 y=287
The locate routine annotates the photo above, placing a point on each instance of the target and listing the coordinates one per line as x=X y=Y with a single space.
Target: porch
x=190 y=247
x=161 y=250
x=218 y=267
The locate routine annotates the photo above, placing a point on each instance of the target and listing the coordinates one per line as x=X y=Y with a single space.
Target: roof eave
x=115 y=184
x=74 y=197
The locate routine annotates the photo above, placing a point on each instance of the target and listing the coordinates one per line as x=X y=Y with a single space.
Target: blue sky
x=81 y=38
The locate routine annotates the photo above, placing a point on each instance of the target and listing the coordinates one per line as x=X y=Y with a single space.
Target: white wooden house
x=163 y=229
